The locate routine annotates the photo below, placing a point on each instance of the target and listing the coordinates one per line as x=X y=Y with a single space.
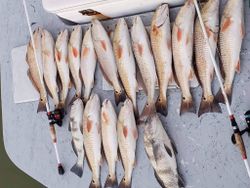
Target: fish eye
x=93 y=181
x=124 y=179
x=184 y=98
x=109 y=175
x=41 y=100
x=204 y=98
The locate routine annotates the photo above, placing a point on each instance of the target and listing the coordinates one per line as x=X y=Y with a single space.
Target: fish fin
x=69 y=128
x=238 y=66
x=74 y=147
x=159 y=179
x=140 y=81
x=181 y=181
x=120 y=96
x=179 y=34
x=147 y=111
x=219 y=98
x=187 y=106
x=125 y=183
x=193 y=78
x=161 y=106
x=105 y=76
x=77 y=169
x=208 y=106
x=95 y=184
x=41 y=106
x=111 y=181
x=32 y=81
x=81 y=128
x=174 y=146
x=168 y=150
x=242 y=29
x=47 y=89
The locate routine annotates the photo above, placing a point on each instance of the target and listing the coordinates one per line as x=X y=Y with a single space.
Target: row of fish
x=76 y=57
x=97 y=127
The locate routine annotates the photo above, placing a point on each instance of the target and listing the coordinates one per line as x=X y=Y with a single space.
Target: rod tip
x=60 y=169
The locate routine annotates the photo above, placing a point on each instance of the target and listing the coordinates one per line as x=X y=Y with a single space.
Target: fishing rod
x=237 y=133
x=56 y=116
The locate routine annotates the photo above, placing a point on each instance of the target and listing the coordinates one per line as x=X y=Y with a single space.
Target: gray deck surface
x=206 y=157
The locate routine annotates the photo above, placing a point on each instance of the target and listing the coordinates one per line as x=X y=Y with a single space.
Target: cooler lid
x=59 y=5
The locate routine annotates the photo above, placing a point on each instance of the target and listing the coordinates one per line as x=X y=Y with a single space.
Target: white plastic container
x=82 y=11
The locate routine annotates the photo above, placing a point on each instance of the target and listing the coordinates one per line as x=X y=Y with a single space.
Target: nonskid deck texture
x=206 y=156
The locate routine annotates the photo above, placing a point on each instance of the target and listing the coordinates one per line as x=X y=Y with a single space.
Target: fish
x=160 y=35
x=88 y=64
x=125 y=60
x=76 y=127
x=182 y=43
x=127 y=138
x=106 y=58
x=61 y=57
x=109 y=140
x=49 y=66
x=74 y=50
x=35 y=70
x=231 y=35
x=92 y=138
x=161 y=152
x=145 y=62
x=204 y=64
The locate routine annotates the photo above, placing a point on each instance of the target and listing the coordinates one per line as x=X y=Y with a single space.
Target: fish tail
x=187 y=106
x=161 y=106
x=208 y=106
x=181 y=182
x=77 y=169
x=95 y=184
x=149 y=109
x=125 y=183
x=120 y=96
x=220 y=98
x=111 y=181
x=41 y=105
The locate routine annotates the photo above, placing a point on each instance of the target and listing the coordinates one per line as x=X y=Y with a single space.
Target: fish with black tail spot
x=106 y=58
x=127 y=139
x=160 y=35
x=204 y=64
x=182 y=43
x=88 y=64
x=49 y=66
x=74 y=50
x=61 y=57
x=232 y=32
x=125 y=60
x=76 y=117
x=92 y=138
x=109 y=140
x=145 y=61
x=161 y=153
x=36 y=67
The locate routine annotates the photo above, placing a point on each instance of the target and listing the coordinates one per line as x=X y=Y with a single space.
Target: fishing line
x=54 y=117
x=238 y=138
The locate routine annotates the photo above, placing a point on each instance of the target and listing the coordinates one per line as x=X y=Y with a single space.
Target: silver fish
x=76 y=118
x=232 y=32
x=74 y=50
x=160 y=35
x=109 y=140
x=125 y=60
x=49 y=66
x=161 y=153
x=145 y=61
x=127 y=138
x=61 y=56
x=106 y=58
x=35 y=67
x=210 y=17
x=92 y=138
x=88 y=64
x=182 y=43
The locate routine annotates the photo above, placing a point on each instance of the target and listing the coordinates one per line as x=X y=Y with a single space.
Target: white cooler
x=82 y=11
